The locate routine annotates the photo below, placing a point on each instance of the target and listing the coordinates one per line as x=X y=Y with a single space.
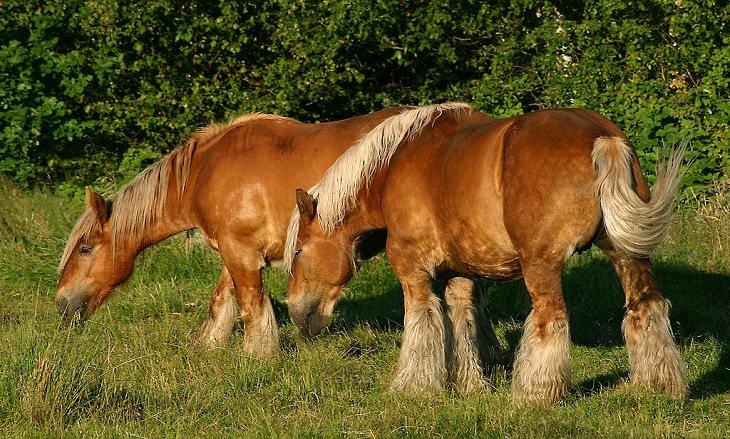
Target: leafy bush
x=101 y=88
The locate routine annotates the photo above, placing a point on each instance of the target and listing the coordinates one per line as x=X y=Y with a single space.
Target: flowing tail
x=633 y=226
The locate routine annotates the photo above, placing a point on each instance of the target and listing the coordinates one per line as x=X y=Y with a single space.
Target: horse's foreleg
x=654 y=360
x=222 y=313
x=260 y=333
x=542 y=361
x=471 y=337
x=490 y=350
x=422 y=362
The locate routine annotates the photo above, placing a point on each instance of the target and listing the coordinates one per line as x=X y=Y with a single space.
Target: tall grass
x=133 y=371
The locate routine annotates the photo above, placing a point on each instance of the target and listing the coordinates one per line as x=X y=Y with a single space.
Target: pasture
x=134 y=371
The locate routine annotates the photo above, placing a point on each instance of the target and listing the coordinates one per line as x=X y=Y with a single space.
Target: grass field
x=132 y=371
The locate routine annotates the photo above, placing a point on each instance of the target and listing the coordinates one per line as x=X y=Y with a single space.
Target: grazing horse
x=235 y=182
x=464 y=195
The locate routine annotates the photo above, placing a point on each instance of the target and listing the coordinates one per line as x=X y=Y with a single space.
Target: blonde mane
x=337 y=191
x=141 y=202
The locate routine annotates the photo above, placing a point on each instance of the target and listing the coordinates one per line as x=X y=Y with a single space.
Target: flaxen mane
x=141 y=202
x=337 y=190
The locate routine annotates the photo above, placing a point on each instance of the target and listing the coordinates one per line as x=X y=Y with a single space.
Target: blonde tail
x=633 y=226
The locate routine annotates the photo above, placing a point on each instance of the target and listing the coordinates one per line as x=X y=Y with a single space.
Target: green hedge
x=99 y=89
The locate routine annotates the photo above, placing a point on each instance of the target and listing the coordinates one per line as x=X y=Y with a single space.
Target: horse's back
x=243 y=183
x=278 y=147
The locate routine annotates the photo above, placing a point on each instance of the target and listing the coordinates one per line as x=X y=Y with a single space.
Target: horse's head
x=92 y=265
x=323 y=263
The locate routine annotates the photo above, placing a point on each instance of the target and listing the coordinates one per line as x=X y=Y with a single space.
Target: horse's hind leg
x=222 y=313
x=654 y=359
x=541 y=371
x=471 y=339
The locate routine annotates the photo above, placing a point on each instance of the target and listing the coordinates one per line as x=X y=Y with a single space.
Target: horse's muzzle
x=307 y=317
x=72 y=309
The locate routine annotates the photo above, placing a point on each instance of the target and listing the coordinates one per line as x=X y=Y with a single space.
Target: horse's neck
x=367 y=214
x=175 y=217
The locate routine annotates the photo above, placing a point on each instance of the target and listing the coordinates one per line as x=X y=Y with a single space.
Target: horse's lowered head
x=92 y=264
x=322 y=263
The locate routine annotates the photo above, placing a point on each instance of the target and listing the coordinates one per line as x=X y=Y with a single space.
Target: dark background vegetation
x=93 y=91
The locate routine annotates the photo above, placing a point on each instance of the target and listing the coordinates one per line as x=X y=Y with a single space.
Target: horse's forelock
x=292 y=231
x=87 y=224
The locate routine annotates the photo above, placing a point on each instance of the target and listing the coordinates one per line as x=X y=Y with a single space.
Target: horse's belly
x=490 y=262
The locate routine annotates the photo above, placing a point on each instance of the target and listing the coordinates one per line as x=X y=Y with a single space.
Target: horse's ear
x=96 y=202
x=305 y=203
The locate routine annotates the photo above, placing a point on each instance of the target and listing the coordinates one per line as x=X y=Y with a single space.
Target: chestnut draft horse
x=463 y=195
x=235 y=182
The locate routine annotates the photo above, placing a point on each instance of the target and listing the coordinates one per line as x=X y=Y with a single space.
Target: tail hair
x=635 y=227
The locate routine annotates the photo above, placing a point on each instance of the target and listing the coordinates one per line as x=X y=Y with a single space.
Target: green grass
x=133 y=371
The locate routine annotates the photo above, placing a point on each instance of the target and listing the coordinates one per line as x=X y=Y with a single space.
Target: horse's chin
x=311 y=325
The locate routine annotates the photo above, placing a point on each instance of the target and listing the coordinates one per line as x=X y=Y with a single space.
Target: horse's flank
x=141 y=202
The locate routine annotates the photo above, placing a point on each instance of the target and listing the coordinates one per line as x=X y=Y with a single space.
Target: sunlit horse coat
x=462 y=194
x=234 y=182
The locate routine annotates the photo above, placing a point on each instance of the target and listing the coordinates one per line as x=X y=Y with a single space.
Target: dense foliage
x=104 y=87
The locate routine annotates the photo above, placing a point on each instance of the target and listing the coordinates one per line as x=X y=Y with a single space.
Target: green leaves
x=86 y=88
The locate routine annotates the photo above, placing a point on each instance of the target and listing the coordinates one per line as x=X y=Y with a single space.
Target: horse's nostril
x=62 y=305
x=301 y=314
x=72 y=307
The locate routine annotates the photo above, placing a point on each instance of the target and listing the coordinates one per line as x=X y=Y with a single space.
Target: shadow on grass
x=594 y=298
x=382 y=312
x=597 y=384
x=700 y=309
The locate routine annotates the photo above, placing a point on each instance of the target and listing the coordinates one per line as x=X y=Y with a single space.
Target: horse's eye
x=85 y=250
x=297 y=251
